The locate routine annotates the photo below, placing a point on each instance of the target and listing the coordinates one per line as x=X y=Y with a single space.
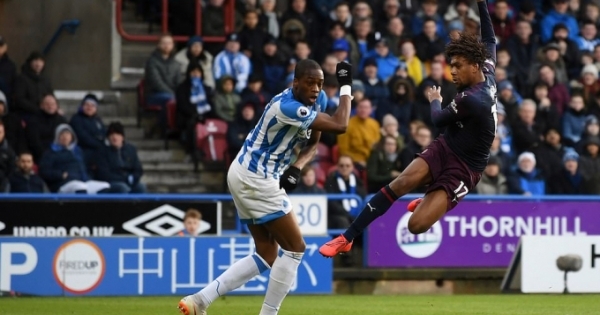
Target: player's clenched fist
x=343 y=72
x=290 y=178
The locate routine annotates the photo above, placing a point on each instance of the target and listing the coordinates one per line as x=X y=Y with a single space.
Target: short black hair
x=304 y=66
x=469 y=47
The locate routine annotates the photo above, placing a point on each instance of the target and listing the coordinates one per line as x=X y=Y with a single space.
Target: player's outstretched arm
x=338 y=122
x=487 y=29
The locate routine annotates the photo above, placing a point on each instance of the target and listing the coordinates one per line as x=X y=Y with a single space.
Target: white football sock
x=234 y=277
x=283 y=275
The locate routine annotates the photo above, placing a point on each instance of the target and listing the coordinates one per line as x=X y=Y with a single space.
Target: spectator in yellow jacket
x=362 y=133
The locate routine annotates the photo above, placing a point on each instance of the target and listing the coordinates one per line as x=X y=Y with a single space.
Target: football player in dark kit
x=452 y=164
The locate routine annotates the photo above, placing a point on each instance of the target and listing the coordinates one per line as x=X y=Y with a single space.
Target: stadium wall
x=79 y=61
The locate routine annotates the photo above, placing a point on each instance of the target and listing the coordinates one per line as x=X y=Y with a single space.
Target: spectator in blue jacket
x=231 y=62
x=527 y=179
x=88 y=126
x=386 y=61
x=569 y=180
x=429 y=9
x=63 y=168
x=375 y=88
x=24 y=179
x=574 y=120
x=559 y=14
x=118 y=163
x=271 y=63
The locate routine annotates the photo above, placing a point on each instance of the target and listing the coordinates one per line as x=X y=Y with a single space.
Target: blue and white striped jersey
x=284 y=123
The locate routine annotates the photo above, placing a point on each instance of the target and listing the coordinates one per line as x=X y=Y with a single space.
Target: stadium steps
x=165 y=171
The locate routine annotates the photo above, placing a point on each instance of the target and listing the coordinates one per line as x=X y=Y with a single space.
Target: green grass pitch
x=327 y=305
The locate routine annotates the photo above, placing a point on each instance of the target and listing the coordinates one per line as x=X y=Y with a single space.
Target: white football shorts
x=257 y=199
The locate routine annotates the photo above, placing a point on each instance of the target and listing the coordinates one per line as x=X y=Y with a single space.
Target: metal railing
x=68 y=25
x=229 y=18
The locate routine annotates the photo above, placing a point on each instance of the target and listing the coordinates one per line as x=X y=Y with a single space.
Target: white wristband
x=346 y=90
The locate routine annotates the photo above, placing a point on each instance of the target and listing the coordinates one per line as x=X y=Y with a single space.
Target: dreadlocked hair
x=469 y=47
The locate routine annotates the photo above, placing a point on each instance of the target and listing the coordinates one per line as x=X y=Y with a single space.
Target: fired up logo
x=79 y=266
x=418 y=246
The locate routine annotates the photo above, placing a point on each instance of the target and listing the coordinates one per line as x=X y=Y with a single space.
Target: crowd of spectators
x=547 y=76
x=42 y=151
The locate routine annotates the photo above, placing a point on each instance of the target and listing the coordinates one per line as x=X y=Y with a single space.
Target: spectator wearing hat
x=252 y=37
x=298 y=11
x=238 y=130
x=292 y=31
x=15 y=134
x=588 y=83
x=429 y=9
x=195 y=52
x=375 y=88
x=589 y=164
x=550 y=152
x=24 y=179
x=231 y=62
x=31 y=86
x=527 y=132
x=8 y=70
x=193 y=103
x=386 y=61
x=118 y=163
x=271 y=64
x=88 y=126
x=341 y=49
x=592 y=129
x=573 y=122
x=568 y=180
x=400 y=105
x=550 y=55
x=493 y=182
x=225 y=100
x=527 y=179
x=522 y=47
x=40 y=131
x=569 y=49
x=7 y=160
x=559 y=14
x=401 y=73
x=509 y=97
x=427 y=42
x=63 y=168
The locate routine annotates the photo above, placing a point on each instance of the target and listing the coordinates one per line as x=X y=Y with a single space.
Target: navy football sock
x=376 y=207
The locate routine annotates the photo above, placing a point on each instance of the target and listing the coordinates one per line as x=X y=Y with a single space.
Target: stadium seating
x=211 y=142
x=144 y=107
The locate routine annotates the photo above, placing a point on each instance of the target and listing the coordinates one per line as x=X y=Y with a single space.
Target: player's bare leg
x=431 y=208
x=415 y=175
x=235 y=276
x=286 y=233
